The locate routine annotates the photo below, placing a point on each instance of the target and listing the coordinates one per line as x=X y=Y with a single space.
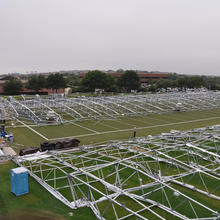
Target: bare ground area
x=29 y=214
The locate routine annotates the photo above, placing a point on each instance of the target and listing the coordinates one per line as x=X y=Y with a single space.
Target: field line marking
x=140 y=128
x=152 y=117
x=120 y=123
x=33 y=130
x=108 y=126
x=84 y=127
x=168 y=117
x=143 y=121
x=192 y=114
x=125 y=123
x=210 y=113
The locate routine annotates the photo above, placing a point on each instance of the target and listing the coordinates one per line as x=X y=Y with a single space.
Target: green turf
x=25 y=136
x=95 y=131
x=106 y=130
x=37 y=199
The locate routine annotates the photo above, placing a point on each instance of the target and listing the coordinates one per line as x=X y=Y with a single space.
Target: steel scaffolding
x=103 y=107
x=151 y=177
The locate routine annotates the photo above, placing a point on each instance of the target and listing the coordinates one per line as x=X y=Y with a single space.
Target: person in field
x=135 y=131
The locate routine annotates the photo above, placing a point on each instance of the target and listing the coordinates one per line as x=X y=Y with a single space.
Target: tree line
x=126 y=82
x=129 y=81
x=35 y=82
x=191 y=82
x=96 y=79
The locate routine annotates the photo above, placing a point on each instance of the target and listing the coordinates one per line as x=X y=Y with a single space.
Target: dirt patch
x=30 y=198
x=27 y=217
x=32 y=214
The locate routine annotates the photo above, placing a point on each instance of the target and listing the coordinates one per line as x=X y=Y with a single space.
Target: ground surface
x=36 y=205
x=89 y=132
x=95 y=131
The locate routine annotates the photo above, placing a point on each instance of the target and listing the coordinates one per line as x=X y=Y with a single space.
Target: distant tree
x=150 y=81
x=36 y=82
x=182 y=82
x=197 y=82
x=166 y=83
x=111 y=84
x=96 y=80
x=56 y=81
x=161 y=83
x=190 y=82
x=120 y=71
x=13 y=86
x=212 y=83
x=152 y=88
x=128 y=81
x=172 y=76
x=72 y=80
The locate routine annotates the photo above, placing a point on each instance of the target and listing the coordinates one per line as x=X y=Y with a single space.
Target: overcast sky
x=167 y=35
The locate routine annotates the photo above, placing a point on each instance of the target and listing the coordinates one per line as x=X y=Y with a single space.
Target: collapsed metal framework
x=164 y=176
x=7 y=110
x=82 y=108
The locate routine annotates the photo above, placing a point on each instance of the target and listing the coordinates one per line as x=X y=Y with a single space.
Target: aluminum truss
x=34 y=110
x=160 y=177
x=7 y=110
x=104 y=107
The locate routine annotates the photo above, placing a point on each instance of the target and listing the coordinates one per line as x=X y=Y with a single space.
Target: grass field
x=96 y=131
x=133 y=154
x=88 y=132
x=35 y=205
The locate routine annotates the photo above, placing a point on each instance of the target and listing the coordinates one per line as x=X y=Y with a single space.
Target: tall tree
x=13 y=86
x=111 y=84
x=36 y=82
x=72 y=80
x=212 y=83
x=128 y=81
x=190 y=81
x=165 y=83
x=56 y=81
x=96 y=80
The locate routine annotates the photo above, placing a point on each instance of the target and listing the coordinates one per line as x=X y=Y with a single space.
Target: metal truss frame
x=7 y=110
x=150 y=177
x=84 y=108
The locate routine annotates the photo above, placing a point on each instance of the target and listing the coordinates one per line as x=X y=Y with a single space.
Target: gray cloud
x=167 y=35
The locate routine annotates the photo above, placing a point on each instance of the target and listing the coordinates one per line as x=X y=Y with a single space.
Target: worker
x=135 y=130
